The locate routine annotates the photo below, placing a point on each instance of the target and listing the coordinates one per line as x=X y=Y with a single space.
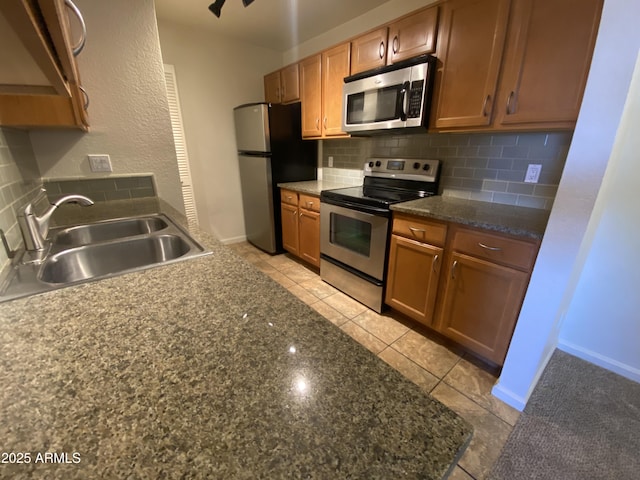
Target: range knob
x=416 y=165
x=378 y=163
x=370 y=164
x=426 y=167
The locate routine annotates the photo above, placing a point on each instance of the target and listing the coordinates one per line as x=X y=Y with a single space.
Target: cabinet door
x=290 y=80
x=309 y=235
x=289 y=227
x=272 y=87
x=369 y=51
x=40 y=86
x=335 y=66
x=412 y=280
x=481 y=304
x=547 y=60
x=311 y=90
x=470 y=46
x=413 y=35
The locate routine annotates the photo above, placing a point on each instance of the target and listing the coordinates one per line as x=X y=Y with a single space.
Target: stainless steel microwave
x=389 y=98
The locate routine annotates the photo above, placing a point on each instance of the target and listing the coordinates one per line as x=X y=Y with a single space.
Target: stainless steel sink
x=100 y=250
x=99 y=260
x=106 y=230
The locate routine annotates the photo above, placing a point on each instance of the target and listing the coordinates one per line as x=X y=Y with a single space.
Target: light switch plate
x=100 y=163
x=533 y=173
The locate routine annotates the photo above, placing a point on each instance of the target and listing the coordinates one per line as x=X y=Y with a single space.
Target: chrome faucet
x=35 y=229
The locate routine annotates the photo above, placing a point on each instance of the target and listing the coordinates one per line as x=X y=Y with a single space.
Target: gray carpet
x=582 y=422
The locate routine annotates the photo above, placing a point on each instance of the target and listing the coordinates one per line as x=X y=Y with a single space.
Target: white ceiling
x=276 y=24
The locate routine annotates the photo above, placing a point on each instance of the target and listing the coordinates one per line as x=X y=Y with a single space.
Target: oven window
x=350 y=233
x=374 y=105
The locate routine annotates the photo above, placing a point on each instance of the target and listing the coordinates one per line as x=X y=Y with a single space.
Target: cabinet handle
x=289 y=197
x=435 y=262
x=509 y=98
x=86 y=98
x=484 y=105
x=487 y=247
x=453 y=269
x=309 y=204
x=381 y=50
x=325 y=123
x=396 y=44
x=417 y=230
x=77 y=48
x=317 y=124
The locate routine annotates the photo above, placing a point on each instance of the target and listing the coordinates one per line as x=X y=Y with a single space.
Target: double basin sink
x=100 y=250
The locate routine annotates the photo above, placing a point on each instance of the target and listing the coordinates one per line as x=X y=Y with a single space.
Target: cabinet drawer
x=419 y=229
x=287 y=196
x=496 y=248
x=310 y=202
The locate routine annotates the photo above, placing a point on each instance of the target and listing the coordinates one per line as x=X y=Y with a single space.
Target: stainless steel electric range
x=355 y=224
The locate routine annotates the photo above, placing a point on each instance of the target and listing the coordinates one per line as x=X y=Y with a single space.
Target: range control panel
x=406 y=168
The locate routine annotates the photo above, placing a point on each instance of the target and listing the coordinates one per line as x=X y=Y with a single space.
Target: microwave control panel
x=415 y=99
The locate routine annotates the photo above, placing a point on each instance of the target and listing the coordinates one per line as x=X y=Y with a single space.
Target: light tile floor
x=450 y=375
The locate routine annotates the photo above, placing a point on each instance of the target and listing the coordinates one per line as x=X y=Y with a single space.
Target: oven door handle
x=380 y=212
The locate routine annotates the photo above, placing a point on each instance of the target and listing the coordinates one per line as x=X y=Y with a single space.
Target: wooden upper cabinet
x=282 y=86
x=290 y=80
x=413 y=35
x=311 y=95
x=272 y=87
x=369 y=51
x=547 y=59
x=470 y=46
x=518 y=65
x=40 y=86
x=335 y=66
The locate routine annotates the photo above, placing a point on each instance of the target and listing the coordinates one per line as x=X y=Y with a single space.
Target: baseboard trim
x=516 y=401
x=603 y=361
x=232 y=240
x=508 y=397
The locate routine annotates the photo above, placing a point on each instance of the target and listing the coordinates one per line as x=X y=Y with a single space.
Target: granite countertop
x=204 y=369
x=519 y=221
x=312 y=187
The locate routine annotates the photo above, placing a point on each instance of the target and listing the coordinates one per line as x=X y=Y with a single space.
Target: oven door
x=355 y=238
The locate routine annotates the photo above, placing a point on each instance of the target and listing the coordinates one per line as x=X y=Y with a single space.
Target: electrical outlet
x=533 y=173
x=100 y=163
x=331 y=161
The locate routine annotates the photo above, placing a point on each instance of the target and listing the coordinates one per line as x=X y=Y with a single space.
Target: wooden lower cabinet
x=301 y=225
x=469 y=286
x=309 y=236
x=414 y=268
x=480 y=305
x=289 y=228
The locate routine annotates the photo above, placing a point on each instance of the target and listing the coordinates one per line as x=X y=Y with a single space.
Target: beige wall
x=121 y=68
x=214 y=75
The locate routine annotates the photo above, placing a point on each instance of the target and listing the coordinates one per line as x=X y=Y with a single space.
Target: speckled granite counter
x=312 y=187
x=519 y=221
x=205 y=369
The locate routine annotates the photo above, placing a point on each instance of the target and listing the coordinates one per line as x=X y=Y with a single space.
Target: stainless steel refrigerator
x=270 y=151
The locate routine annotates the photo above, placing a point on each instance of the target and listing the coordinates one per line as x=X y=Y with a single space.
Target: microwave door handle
x=404 y=101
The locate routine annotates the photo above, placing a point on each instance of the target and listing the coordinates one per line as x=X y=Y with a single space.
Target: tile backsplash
x=103 y=189
x=481 y=166
x=20 y=183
